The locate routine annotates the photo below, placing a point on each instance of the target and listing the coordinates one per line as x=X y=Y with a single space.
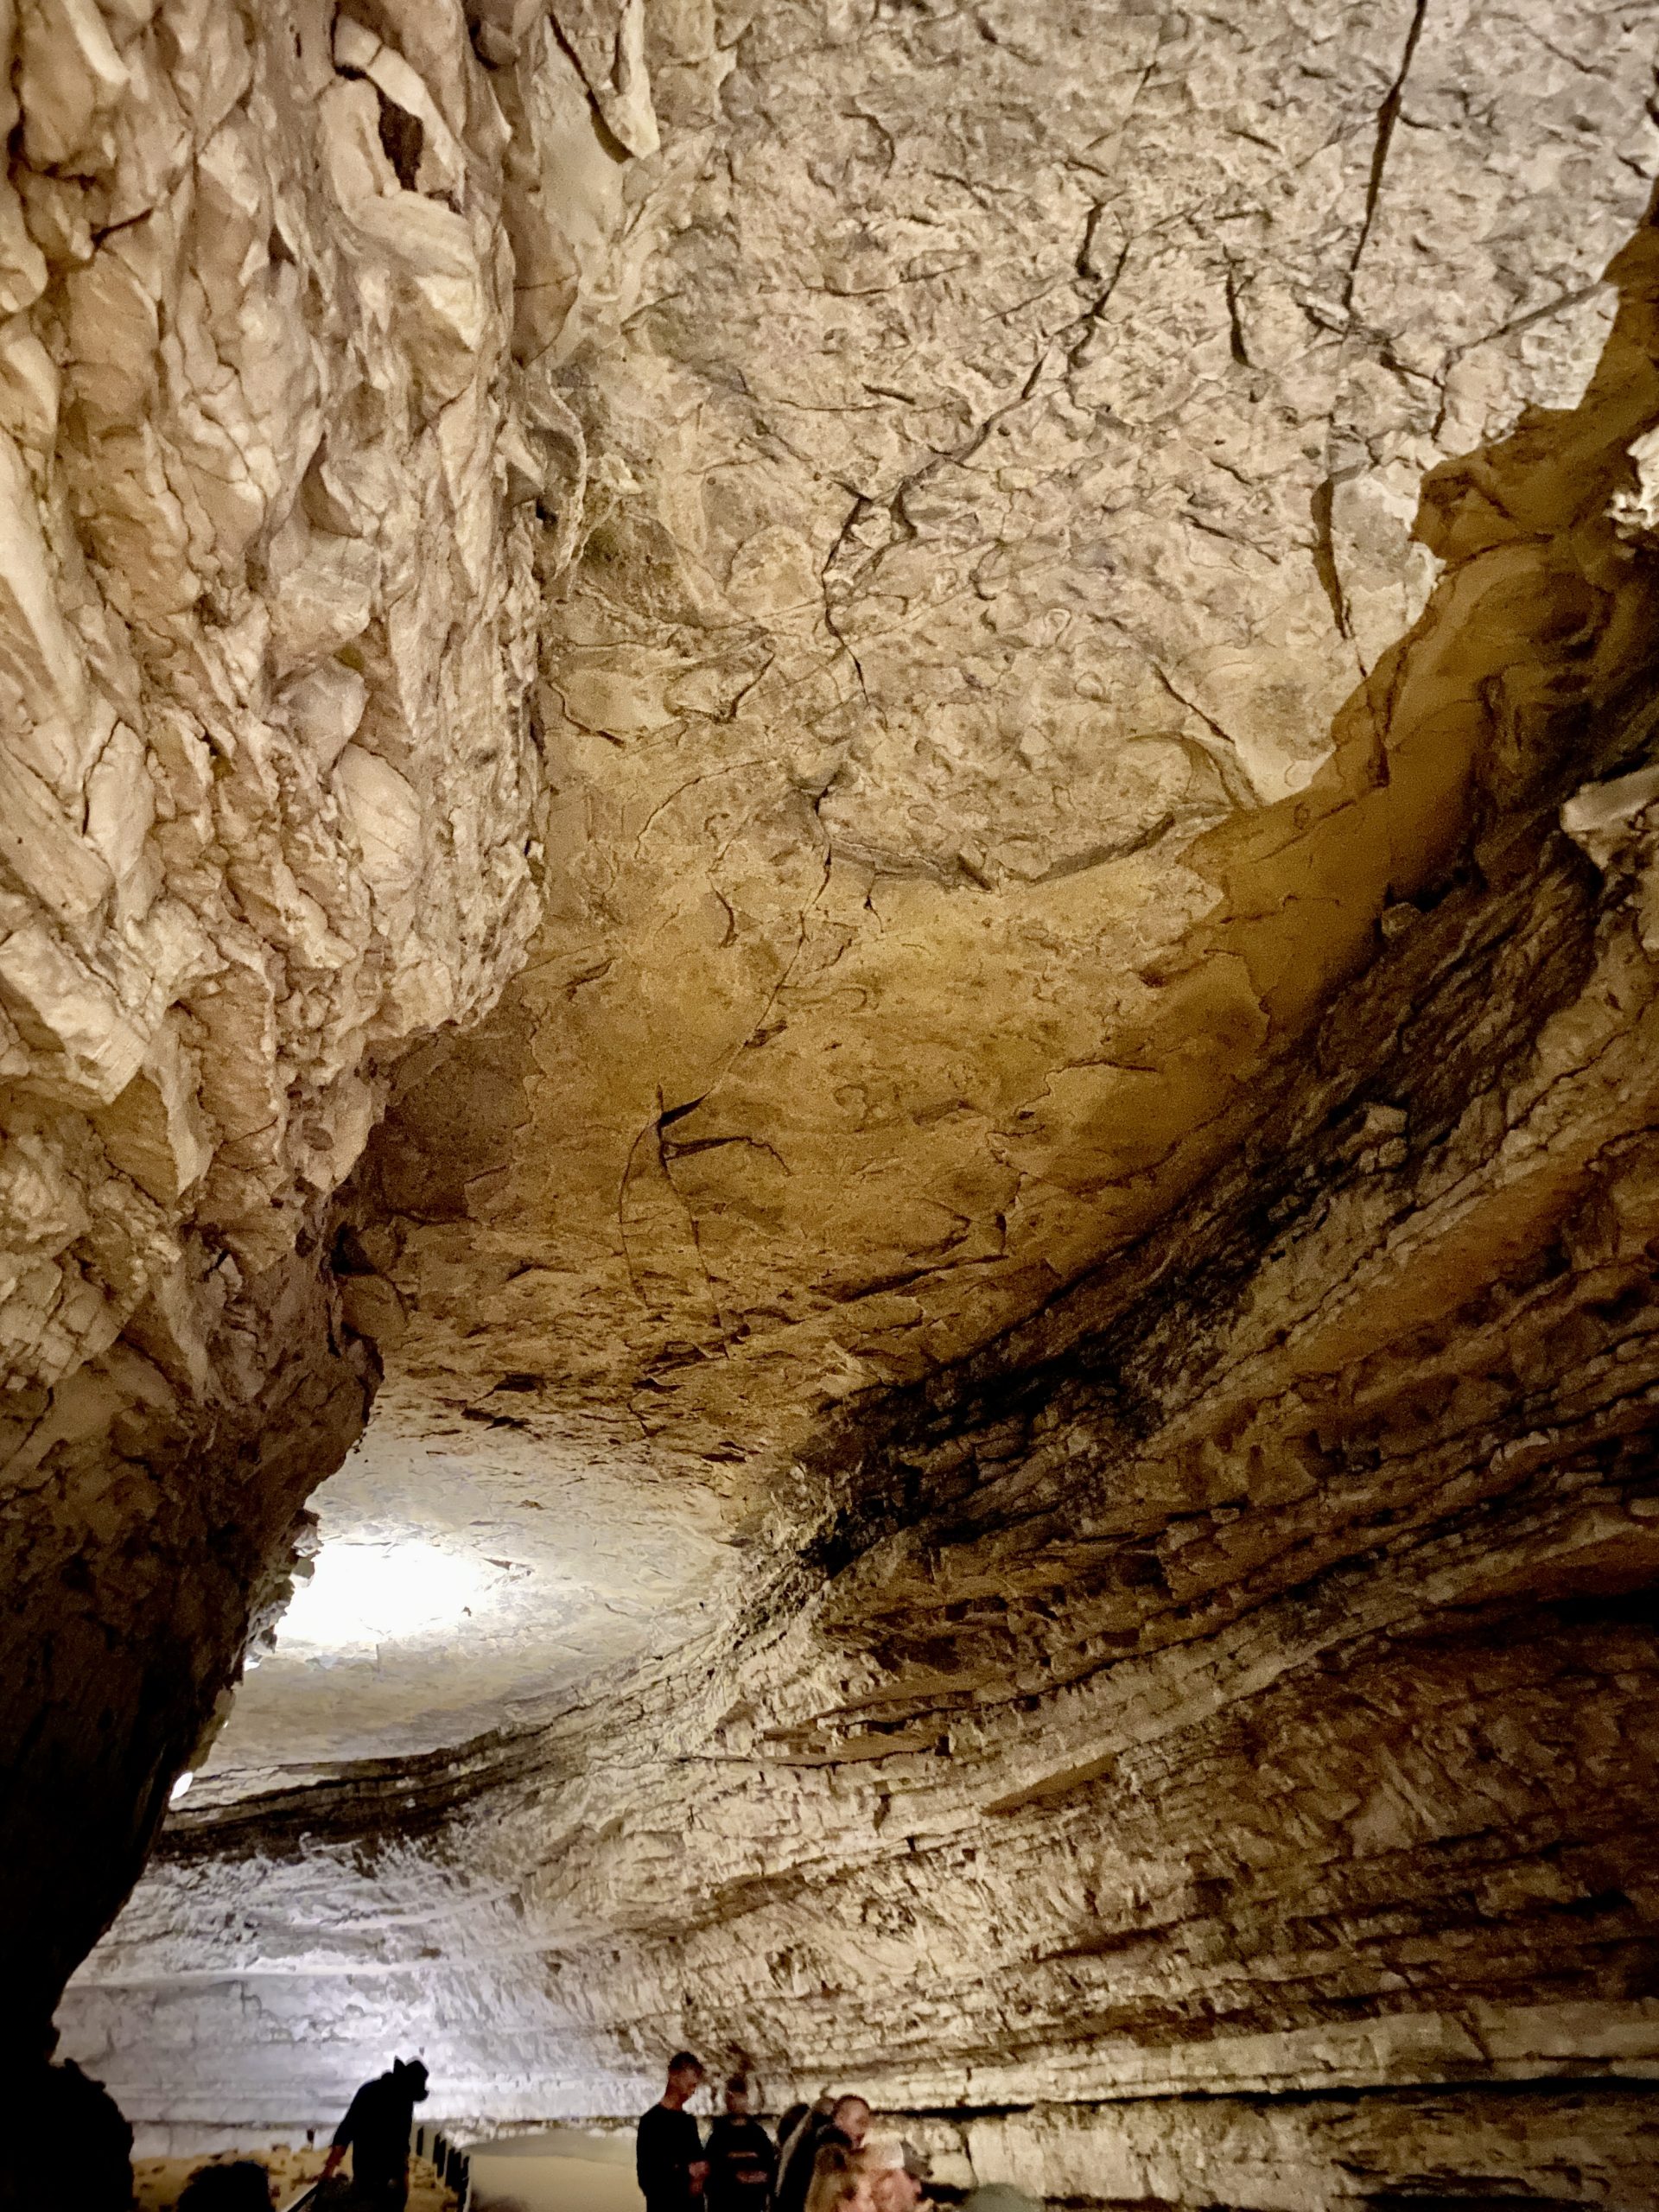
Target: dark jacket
x=740 y=2161
x=376 y=2125
x=668 y=2145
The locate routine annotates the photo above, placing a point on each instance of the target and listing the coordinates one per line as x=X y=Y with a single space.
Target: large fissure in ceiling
x=865 y=791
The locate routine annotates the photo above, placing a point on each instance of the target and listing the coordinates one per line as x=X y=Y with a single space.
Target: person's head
x=895 y=2188
x=839 y=2183
x=242 y=2186
x=737 y=2095
x=895 y=2174
x=852 y=2116
x=77 y=2148
x=684 y=2076
x=411 y=2073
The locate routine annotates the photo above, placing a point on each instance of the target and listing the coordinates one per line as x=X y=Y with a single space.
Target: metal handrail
x=453 y=2168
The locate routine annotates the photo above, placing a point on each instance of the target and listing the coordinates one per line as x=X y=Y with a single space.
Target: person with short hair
x=741 y=2155
x=375 y=2131
x=668 y=2157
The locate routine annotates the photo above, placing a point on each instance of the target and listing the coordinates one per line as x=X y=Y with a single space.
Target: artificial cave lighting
x=362 y=1593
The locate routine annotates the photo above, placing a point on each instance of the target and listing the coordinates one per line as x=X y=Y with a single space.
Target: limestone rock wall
x=1196 y=1749
x=273 y=482
x=1003 y=480
x=1082 y=1089
x=1233 y=1795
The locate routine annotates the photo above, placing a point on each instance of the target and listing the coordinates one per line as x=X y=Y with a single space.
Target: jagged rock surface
x=1082 y=1091
x=1008 y=477
x=1284 y=1732
x=267 y=626
x=1234 y=1686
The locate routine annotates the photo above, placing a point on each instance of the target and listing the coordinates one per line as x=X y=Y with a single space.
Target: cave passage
x=829 y=1071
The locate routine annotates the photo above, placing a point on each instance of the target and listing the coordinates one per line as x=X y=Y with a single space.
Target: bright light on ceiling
x=364 y=1594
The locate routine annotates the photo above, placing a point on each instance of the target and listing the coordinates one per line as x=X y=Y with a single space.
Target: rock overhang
x=1070 y=1112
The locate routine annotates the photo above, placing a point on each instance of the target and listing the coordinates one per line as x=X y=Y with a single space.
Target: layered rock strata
x=1234 y=1686
x=1082 y=1090
x=1006 y=477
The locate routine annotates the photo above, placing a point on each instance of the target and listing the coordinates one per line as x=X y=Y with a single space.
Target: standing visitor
x=668 y=2149
x=843 y=2128
x=375 y=2131
x=741 y=2156
x=791 y=2119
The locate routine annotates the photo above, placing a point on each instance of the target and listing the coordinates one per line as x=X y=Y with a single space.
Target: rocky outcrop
x=1205 y=1818
x=1081 y=1094
x=269 y=473
x=1006 y=479
x=1184 y=1749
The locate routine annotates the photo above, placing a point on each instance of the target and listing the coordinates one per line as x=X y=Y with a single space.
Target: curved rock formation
x=1017 y=648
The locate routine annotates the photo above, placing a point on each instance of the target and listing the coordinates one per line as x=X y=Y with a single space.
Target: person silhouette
x=741 y=2155
x=376 y=2131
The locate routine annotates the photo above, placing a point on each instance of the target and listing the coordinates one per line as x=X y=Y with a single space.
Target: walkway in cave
x=559 y=2171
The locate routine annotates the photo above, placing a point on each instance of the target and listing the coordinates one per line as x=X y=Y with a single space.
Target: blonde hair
x=840 y=2183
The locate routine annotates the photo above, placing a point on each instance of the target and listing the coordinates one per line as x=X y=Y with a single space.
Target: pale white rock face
x=269 y=630
x=444 y=1601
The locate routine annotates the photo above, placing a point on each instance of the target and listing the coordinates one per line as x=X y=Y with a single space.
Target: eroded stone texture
x=1082 y=1091
x=269 y=474
x=1006 y=478
x=1234 y=1685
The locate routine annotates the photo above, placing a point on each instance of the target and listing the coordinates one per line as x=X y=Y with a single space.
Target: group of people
x=824 y=2159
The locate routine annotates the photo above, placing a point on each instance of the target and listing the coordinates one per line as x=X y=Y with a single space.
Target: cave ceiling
x=860 y=789
x=999 y=439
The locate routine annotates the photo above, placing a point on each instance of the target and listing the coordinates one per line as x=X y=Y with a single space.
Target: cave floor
x=560 y=2172
x=159 y=2182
